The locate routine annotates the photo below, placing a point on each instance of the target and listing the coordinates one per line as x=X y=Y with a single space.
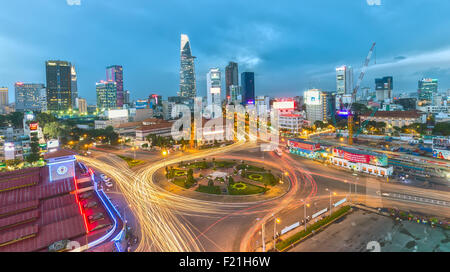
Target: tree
x=51 y=130
x=442 y=129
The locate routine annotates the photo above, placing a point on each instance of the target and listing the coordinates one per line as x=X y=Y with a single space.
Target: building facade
x=213 y=89
x=231 y=77
x=427 y=87
x=106 y=95
x=187 y=69
x=383 y=88
x=59 y=85
x=115 y=73
x=4 y=99
x=28 y=96
x=316 y=105
x=248 y=87
x=74 y=85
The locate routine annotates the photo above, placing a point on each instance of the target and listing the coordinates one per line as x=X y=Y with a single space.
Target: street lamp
x=304 y=211
x=164 y=153
x=275 y=222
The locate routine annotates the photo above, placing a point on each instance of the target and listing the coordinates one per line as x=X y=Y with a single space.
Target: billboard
x=215 y=90
x=117 y=113
x=441 y=154
x=141 y=104
x=9 y=149
x=303 y=145
x=361 y=157
x=52 y=144
x=312 y=97
x=283 y=105
x=33 y=126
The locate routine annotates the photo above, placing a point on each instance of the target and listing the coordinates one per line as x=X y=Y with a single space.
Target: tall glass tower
x=187 y=73
x=59 y=85
x=231 y=76
x=115 y=73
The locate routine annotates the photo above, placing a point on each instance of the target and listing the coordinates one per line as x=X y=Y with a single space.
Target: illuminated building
x=28 y=96
x=383 y=88
x=74 y=85
x=4 y=100
x=59 y=85
x=427 y=87
x=82 y=106
x=106 y=95
x=213 y=91
x=316 y=105
x=187 y=69
x=115 y=73
x=344 y=80
x=248 y=87
x=231 y=77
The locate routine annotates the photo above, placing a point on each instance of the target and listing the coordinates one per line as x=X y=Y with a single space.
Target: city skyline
x=287 y=53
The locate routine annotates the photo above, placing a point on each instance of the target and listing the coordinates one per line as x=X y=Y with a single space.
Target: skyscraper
x=59 y=85
x=126 y=98
x=187 y=69
x=248 y=87
x=344 y=80
x=4 y=101
x=74 y=85
x=28 y=96
x=231 y=77
x=427 y=87
x=383 y=88
x=106 y=95
x=213 y=88
x=115 y=73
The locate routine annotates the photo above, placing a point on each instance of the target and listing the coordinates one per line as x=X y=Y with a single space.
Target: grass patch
x=209 y=189
x=245 y=189
x=183 y=182
x=299 y=235
x=198 y=165
x=131 y=162
x=264 y=178
x=250 y=167
x=224 y=164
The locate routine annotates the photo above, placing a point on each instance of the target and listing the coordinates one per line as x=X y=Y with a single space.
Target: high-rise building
x=383 y=88
x=59 y=85
x=74 y=85
x=187 y=69
x=231 y=77
x=4 y=100
x=427 y=87
x=213 y=87
x=106 y=95
x=316 y=105
x=126 y=98
x=235 y=95
x=82 y=106
x=344 y=80
x=28 y=96
x=43 y=100
x=248 y=87
x=115 y=73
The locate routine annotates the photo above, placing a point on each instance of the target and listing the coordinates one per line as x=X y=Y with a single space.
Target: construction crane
x=347 y=111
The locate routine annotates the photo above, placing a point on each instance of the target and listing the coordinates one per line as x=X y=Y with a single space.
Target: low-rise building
x=396 y=118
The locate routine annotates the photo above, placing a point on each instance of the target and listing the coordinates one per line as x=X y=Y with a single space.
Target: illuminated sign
x=33 y=126
x=284 y=105
x=441 y=154
x=250 y=102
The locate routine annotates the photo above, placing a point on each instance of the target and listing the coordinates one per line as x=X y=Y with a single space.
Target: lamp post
x=275 y=222
x=304 y=211
x=164 y=153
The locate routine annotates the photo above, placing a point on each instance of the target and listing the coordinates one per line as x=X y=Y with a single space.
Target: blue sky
x=290 y=45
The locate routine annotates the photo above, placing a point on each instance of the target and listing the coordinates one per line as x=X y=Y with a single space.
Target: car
x=108 y=184
x=103 y=176
x=107 y=179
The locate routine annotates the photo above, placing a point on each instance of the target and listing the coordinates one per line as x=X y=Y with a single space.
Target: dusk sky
x=290 y=45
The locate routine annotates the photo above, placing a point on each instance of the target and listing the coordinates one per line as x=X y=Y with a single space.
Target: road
x=173 y=222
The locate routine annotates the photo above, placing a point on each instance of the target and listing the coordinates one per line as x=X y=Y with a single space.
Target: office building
x=106 y=95
x=4 y=100
x=383 y=89
x=231 y=77
x=115 y=73
x=427 y=87
x=316 y=105
x=126 y=98
x=248 y=87
x=82 y=106
x=59 y=85
x=213 y=89
x=235 y=95
x=187 y=69
x=43 y=100
x=74 y=85
x=28 y=96
x=344 y=80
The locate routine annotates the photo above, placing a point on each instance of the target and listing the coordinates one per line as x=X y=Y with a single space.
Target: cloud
x=73 y=2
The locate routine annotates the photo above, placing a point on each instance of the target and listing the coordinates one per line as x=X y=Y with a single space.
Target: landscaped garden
x=222 y=177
